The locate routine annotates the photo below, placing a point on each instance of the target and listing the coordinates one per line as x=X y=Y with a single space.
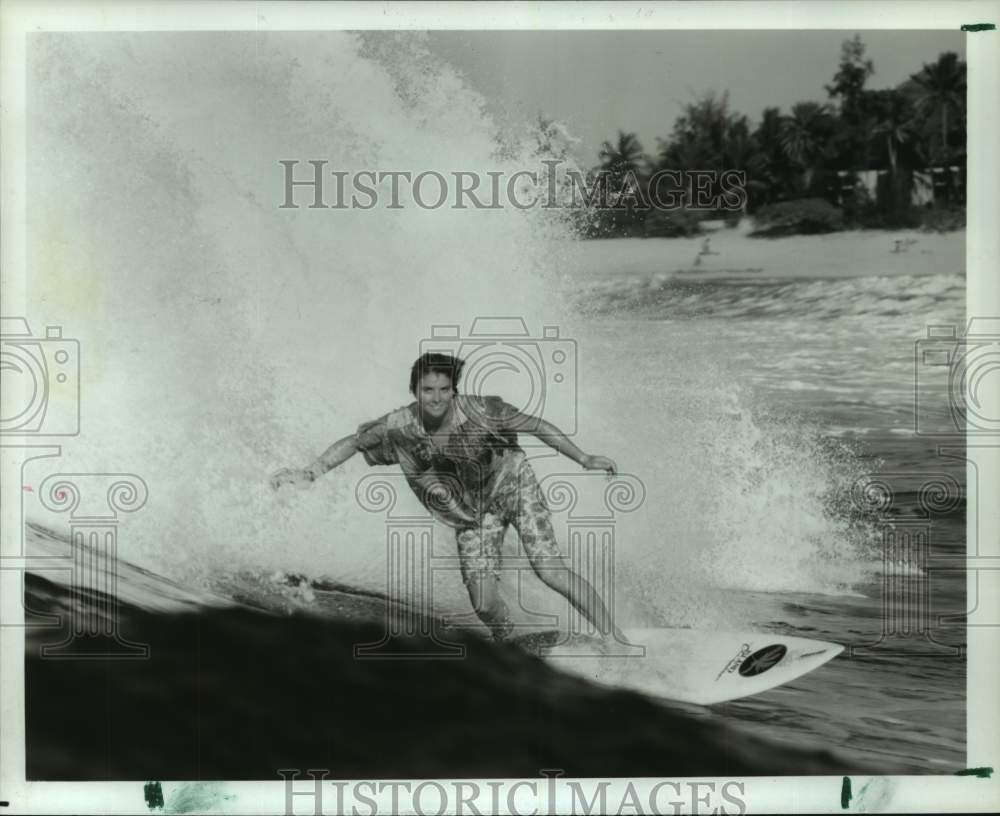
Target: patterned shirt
x=466 y=462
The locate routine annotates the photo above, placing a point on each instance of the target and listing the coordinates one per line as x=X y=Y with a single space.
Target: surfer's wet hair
x=434 y=363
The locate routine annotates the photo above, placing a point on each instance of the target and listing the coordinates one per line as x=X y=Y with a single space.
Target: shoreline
x=729 y=254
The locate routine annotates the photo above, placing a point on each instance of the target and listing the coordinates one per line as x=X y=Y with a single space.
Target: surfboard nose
x=693 y=666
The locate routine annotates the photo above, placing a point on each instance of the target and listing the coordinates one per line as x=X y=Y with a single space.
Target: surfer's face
x=434 y=395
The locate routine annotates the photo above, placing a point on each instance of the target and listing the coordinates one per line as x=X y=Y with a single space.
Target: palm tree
x=888 y=117
x=942 y=86
x=699 y=135
x=849 y=81
x=623 y=163
x=624 y=156
x=892 y=119
x=805 y=136
x=768 y=168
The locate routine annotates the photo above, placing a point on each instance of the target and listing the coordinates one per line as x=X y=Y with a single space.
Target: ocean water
x=223 y=338
x=792 y=395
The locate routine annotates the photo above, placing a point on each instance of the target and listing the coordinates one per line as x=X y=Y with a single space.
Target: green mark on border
x=982 y=773
x=845 y=793
x=979 y=27
x=197 y=796
x=154 y=795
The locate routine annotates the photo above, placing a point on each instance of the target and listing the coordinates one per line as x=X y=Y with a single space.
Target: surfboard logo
x=762 y=660
x=733 y=664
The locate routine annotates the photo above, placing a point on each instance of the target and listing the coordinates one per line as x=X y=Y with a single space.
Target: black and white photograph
x=499 y=408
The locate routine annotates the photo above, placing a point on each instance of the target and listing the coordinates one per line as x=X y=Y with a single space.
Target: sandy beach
x=859 y=253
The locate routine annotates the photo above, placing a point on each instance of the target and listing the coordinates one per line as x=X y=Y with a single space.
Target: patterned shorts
x=517 y=499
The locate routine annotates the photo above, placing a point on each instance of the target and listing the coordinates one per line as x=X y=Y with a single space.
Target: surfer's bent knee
x=552 y=569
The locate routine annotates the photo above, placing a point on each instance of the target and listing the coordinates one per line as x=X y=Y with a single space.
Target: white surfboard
x=686 y=665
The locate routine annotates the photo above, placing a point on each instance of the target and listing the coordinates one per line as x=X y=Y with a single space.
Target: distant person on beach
x=461 y=457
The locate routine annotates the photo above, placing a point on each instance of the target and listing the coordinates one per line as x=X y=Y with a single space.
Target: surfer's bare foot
x=607 y=642
x=500 y=629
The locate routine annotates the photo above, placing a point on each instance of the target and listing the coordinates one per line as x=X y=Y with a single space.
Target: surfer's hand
x=292 y=476
x=600 y=463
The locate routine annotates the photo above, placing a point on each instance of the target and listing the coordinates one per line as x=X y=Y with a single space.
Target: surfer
x=461 y=457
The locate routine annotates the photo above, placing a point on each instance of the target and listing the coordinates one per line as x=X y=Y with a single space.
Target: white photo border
x=763 y=795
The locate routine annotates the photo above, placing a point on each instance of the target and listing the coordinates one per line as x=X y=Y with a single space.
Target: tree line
x=816 y=151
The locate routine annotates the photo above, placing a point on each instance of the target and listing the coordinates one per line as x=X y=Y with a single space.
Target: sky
x=597 y=82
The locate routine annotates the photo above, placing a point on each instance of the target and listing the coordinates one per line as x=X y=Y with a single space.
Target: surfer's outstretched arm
x=334 y=456
x=557 y=440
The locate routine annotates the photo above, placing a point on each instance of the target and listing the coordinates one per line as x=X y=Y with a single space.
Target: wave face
x=233 y=692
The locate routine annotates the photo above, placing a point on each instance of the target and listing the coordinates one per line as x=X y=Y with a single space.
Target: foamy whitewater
x=223 y=337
